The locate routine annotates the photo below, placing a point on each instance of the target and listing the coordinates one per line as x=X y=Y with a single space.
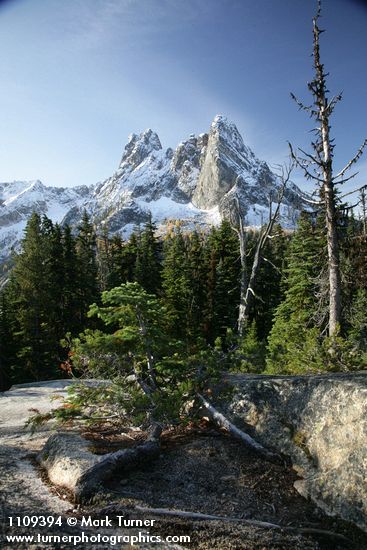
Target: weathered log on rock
x=126 y=459
x=65 y=457
x=223 y=423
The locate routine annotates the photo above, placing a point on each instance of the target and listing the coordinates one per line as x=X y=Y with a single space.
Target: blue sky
x=77 y=76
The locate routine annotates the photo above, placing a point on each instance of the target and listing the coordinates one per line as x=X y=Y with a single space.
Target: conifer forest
x=187 y=340
x=194 y=279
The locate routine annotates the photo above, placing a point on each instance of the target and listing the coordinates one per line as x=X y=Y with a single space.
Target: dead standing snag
x=318 y=167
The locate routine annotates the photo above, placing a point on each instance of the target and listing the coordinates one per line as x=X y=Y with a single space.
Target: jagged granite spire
x=139 y=147
x=226 y=159
x=194 y=183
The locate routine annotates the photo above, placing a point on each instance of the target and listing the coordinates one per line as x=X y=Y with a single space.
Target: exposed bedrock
x=320 y=422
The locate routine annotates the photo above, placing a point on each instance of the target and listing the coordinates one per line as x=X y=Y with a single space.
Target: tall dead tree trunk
x=242 y=237
x=328 y=191
x=151 y=374
x=247 y=284
x=319 y=167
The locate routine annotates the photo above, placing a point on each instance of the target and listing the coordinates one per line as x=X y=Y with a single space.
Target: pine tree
x=55 y=280
x=7 y=345
x=117 y=270
x=268 y=287
x=129 y=255
x=357 y=334
x=72 y=319
x=293 y=340
x=147 y=265
x=227 y=277
x=104 y=259
x=32 y=299
x=122 y=260
x=86 y=249
x=196 y=274
x=210 y=261
x=150 y=376
x=249 y=354
x=176 y=285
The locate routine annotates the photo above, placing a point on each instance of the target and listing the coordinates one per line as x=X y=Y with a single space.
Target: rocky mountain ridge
x=195 y=183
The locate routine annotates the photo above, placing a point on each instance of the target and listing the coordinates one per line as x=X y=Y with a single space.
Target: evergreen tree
x=358 y=321
x=249 y=353
x=268 y=288
x=32 y=299
x=87 y=271
x=55 y=280
x=210 y=261
x=134 y=342
x=293 y=340
x=147 y=264
x=176 y=285
x=72 y=318
x=117 y=269
x=227 y=276
x=104 y=259
x=121 y=257
x=129 y=256
x=7 y=345
x=196 y=274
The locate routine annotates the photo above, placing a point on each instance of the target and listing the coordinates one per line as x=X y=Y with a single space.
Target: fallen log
x=223 y=423
x=202 y=517
x=253 y=522
x=126 y=459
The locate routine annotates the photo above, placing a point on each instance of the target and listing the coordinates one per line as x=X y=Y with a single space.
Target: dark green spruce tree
x=196 y=291
x=7 y=344
x=268 y=286
x=32 y=300
x=71 y=295
x=87 y=270
x=294 y=339
x=148 y=261
x=176 y=285
x=227 y=274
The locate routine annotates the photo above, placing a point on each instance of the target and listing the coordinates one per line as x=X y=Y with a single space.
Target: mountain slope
x=195 y=183
x=19 y=199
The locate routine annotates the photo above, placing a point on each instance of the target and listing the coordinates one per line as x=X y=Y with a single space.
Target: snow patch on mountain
x=19 y=199
x=199 y=183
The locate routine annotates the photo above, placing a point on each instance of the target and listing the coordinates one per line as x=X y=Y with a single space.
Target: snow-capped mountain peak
x=195 y=182
x=19 y=199
x=139 y=147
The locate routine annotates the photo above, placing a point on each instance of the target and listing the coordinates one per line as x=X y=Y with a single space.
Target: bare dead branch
x=223 y=423
x=301 y=165
x=302 y=107
x=352 y=161
x=351 y=206
x=331 y=105
x=359 y=189
x=344 y=180
x=312 y=158
x=254 y=522
x=272 y=264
